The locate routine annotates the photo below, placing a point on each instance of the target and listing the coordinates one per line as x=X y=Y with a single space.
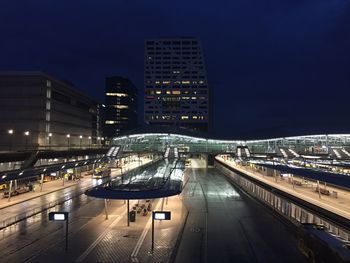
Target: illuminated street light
x=80 y=139
x=68 y=141
x=10 y=132
x=26 y=134
x=50 y=135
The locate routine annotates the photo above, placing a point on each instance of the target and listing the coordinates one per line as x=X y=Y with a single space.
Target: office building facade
x=120 y=112
x=176 y=87
x=41 y=112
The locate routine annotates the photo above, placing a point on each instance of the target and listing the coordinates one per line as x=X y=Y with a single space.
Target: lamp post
x=26 y=134
x=80 y=139
x=98 y=141
x=68 y=141
x=10 y=132
x=90 y=141
x=50 y=135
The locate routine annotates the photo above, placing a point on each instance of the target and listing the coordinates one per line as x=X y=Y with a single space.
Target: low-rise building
x=39 y=111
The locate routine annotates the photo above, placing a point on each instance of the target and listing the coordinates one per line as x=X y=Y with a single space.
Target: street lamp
x=90 y=141
x=68 y=142
x=10 y=132
x=80 y=139
x=50 y=135
x=26 y=134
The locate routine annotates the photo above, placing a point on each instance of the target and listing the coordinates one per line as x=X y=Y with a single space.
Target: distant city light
x=68 y=135
x=26 y=133
x=10 y=131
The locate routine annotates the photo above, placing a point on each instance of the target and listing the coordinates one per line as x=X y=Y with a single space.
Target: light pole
x=10 y=132
x=98 y=141
x=90 y=141
x=26 y=134
x=50 y=135
x=68 y=141
x=80 y=139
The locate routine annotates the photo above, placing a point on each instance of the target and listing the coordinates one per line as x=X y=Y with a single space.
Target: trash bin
x=132 y=216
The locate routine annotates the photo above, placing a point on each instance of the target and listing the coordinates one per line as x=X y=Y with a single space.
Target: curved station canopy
x=158 y=139
x=162 y=179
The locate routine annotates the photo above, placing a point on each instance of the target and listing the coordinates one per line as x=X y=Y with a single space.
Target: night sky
x=276 y=67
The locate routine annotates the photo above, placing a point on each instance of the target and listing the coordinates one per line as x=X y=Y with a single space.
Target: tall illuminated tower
x=176 y=86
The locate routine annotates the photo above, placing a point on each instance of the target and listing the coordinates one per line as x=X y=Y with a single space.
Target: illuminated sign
x=161 y=215
x=58 y=216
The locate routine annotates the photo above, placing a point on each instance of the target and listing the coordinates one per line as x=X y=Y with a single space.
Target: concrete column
x=10 y=191
x=41 y=182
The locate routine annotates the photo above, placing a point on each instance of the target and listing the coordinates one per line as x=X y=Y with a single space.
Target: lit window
x=121 y=106
x=168 y=92
x=176 y=92
x=184 y=117
x=158 y=92
x=166 y=82
x=117 y=94
x=185 y=82
x=110 y=122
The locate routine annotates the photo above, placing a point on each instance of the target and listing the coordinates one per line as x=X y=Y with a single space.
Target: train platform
x=333 y=199
x=52 y=193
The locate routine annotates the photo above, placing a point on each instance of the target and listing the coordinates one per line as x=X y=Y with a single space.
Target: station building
x=39 y=111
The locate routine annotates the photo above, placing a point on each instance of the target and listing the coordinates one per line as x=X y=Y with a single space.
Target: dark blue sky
x=276 y=67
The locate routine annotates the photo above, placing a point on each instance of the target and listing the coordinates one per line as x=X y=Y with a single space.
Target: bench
x=298 y=183
x=323 y=191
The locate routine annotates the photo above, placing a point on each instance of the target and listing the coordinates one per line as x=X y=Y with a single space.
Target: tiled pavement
x=118 y=243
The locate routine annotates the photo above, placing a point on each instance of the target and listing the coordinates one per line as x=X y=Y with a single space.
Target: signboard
x=161 y=215
x=58 y=216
